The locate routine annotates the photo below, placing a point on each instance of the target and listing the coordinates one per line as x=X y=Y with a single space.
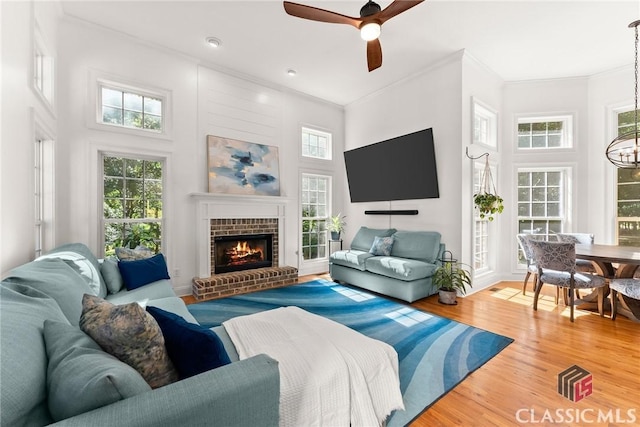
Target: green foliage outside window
x=132 y=204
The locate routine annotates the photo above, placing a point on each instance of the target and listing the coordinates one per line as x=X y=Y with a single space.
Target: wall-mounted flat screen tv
x=400 y=168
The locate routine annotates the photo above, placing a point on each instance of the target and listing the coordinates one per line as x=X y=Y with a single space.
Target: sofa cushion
x=58 y=280
x=365 y=236
x=111 y=275
x=350 y=258
x=421 y=245
x=381 y=246
x=400 y=268
x=140 y=252
x=152 y=291
x=80 y=258
x=193 y=349
x=132 y=335
x=23 y=370
x=81 y=376
x=173 y=305
x=141 y=272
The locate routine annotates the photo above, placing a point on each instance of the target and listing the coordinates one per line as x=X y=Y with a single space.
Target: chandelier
x=624 y=151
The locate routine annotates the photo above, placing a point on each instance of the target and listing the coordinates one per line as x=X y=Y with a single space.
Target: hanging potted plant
x=336 y=226
x=487 y=201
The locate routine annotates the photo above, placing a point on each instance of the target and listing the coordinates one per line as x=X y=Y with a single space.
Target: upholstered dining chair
x=624 y=287
x=531 y=265
x=582 y=265
x=556 y=262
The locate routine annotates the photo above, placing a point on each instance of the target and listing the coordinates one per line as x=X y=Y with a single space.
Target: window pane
x=111 y=115
x=133 y=102
x=132 y=119
x=134 y=168
x=112 y=98
x=153 y=106
x=152 y=122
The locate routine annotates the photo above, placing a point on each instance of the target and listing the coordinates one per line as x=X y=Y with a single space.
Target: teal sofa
x=49 y=291
x=404 y=274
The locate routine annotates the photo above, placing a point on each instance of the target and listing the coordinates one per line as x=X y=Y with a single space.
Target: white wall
x=431 y=99
x=21 y=108
x=87 y=51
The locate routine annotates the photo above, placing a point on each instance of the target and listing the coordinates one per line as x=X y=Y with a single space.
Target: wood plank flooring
x=519 y=385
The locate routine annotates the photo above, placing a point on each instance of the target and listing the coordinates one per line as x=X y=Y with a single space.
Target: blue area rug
x=435 y=353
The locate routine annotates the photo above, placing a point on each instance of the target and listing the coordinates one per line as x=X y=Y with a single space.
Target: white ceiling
x=519 y=40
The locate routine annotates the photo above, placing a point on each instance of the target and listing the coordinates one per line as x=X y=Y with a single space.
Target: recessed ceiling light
x=291 y=72
x=214 y=42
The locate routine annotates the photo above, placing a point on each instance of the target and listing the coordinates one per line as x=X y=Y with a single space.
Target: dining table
x=612 y=262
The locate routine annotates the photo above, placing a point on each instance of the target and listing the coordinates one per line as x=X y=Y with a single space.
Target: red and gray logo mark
x=575 y=383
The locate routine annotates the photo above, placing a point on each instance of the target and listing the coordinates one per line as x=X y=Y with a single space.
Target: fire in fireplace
x=243 y=252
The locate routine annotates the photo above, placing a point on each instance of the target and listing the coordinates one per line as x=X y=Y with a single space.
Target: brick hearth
x=242 y=282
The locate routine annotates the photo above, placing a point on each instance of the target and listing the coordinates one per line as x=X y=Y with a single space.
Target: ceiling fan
x=372 y=16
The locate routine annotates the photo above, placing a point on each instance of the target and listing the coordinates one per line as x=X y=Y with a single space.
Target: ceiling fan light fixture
x=370 y=31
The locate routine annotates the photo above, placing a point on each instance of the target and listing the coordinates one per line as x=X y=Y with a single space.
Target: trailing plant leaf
x=488 y=205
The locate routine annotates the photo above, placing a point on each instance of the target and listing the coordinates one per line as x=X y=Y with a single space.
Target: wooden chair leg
x=524 y=285
x=601 y=301
x=614 y=304
x=536 y=293
x=571 y=299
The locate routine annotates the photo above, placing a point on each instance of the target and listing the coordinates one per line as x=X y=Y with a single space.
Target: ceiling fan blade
x=315 y=14
x=374 y=54
x=395 y=8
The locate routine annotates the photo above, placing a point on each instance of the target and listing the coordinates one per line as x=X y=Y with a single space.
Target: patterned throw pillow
x=132 y=335
x=140 y=252
x=381 y=246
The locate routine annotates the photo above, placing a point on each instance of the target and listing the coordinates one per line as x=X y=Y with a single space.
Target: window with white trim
x=542 y=201
x=130 y=109
x=132 y=203
x=315 y=199
x=485 y=125
x=38 y=169
x=628 y=191
x=481 y=225
x=43 y=68
x=316 y=144
x=536 y=133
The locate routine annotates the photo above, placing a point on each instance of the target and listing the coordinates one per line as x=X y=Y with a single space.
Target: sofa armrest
x=242 y=393
x=441 y=250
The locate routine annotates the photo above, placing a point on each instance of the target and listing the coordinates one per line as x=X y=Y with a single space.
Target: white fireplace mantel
x=220 y=206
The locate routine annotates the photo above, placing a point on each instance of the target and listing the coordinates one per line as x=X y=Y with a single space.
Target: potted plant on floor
x=336 y=226
x=451 y=278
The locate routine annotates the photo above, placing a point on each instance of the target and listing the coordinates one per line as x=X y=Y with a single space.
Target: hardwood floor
x=519 y=385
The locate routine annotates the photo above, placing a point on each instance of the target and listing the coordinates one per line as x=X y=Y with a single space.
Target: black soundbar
x=393 y=212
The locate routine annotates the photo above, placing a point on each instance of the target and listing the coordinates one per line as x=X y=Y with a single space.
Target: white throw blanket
x=330 y=375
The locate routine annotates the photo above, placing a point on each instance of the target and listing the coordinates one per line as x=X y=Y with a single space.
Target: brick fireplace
x=239 y=219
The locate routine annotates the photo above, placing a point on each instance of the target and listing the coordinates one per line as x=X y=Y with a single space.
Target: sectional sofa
x=47 y=377
x=390 y=262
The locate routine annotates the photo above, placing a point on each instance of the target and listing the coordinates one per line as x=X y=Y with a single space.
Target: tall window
x=315 y=215
x=131 y=110
x=132 y=203
x=316 y=144
x=39 y=196
x=628 y=186
x=542 y=206
x=481 y=226
x=43 y=68
x=545 y=132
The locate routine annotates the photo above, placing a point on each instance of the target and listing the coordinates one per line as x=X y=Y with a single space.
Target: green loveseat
x=404 y=274
x=50 y=291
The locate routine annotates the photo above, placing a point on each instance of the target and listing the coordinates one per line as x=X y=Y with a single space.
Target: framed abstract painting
x=239 y=167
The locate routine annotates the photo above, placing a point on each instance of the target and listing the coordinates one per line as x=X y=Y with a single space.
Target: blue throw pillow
x=192 y=348
x=142 y=272
x=381 y=246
